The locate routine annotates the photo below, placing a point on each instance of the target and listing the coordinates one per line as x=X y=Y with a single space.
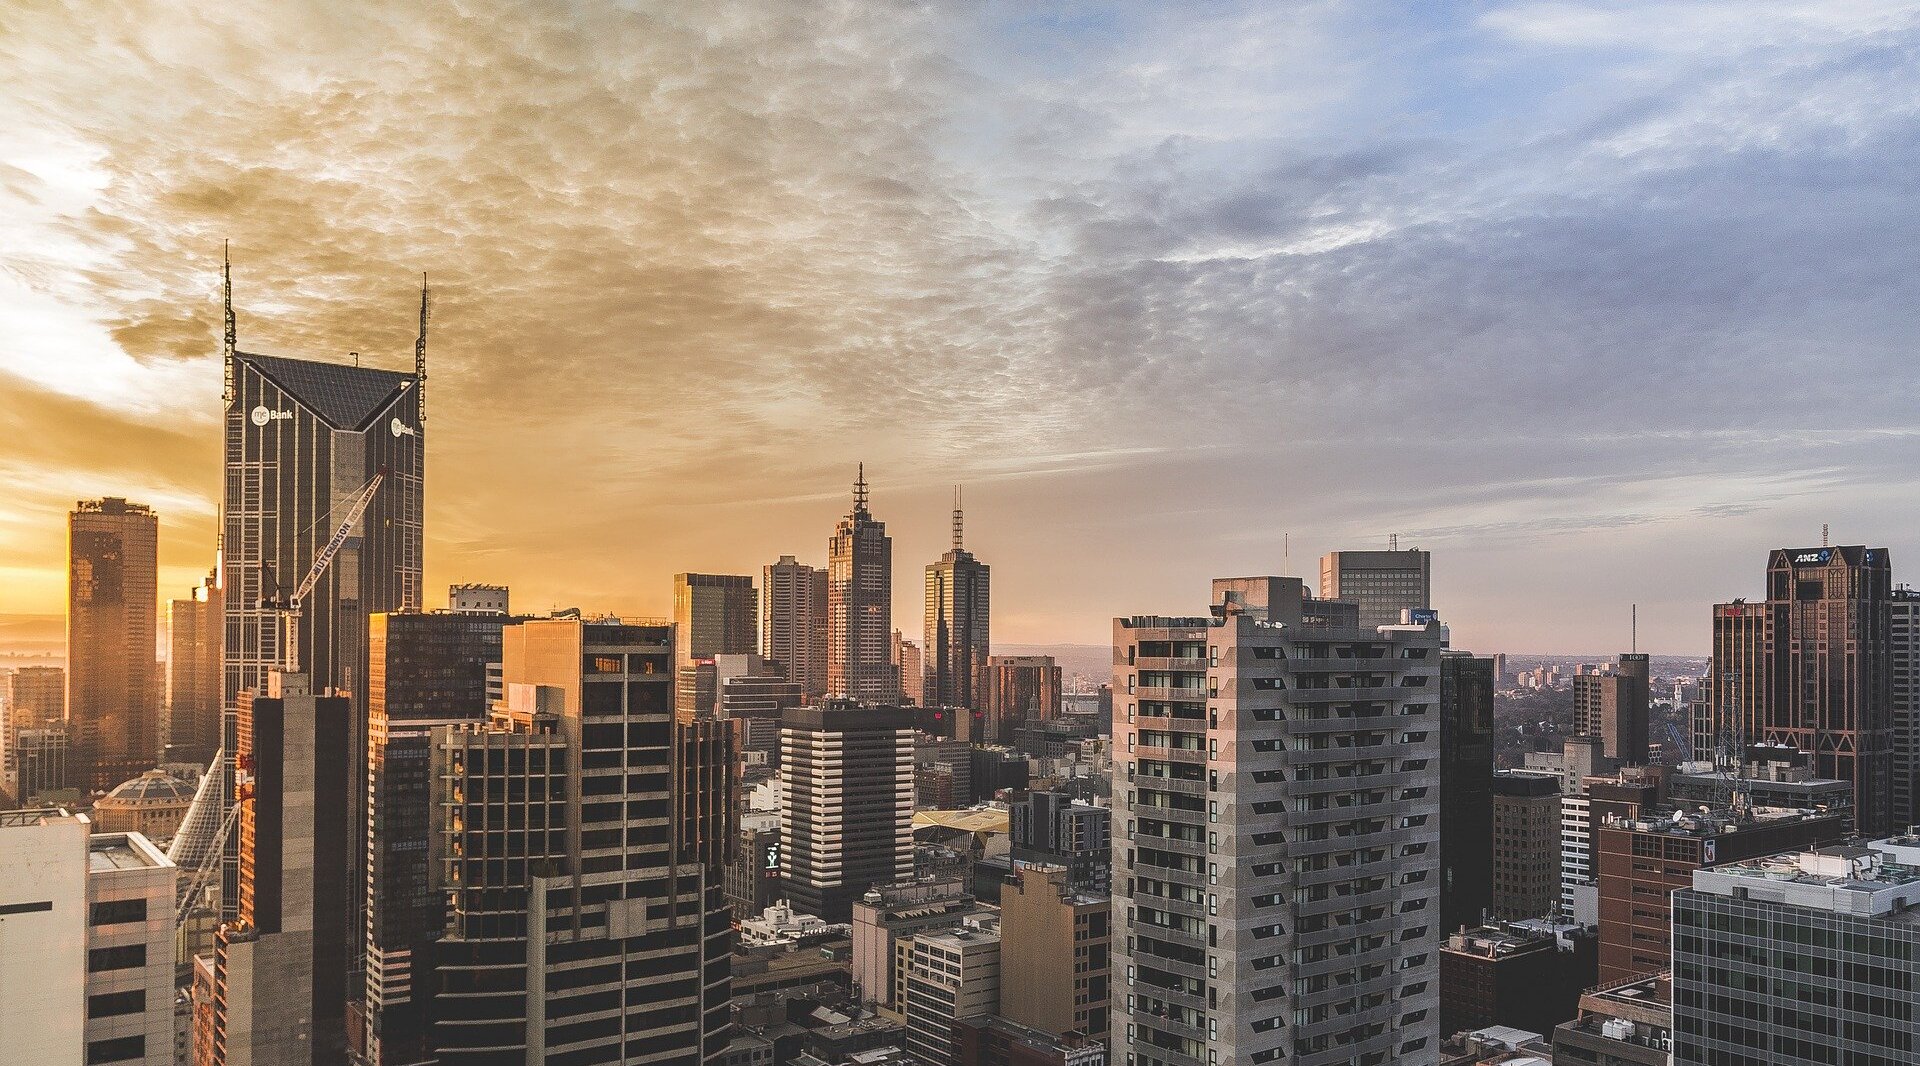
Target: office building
x=887 y=913
x=1735 y=690
x=908 y=659
x=1055 y=949
x=992 y=1040
x=1639 y=862
x=42 y=764
x=280 y=967
x=958 y=621
x=696 y=690
x=1526 y=975
x=152 y=805
x=1903 y=627
x=424 y=671
x=1616 y=707
x=86 y=943
x=1767 y=775
x=584 y=925
x=1526 y=844
x=753 y=874
x=1466 y=789
x=949 y=975
x=113 y=675
x=36 y=699
x=1816 y=671
x=1579 y=891
x=1022 y=690
x=1055 y=829
x=1258 y=726
x=714 y=614
x=478 y=599
x=1624 y=1022
x=1382 y=583
x=847 y=820
x=303 y=439
x=860 y=607
x=793 y=622
x=195 y=644
x=1798 y=959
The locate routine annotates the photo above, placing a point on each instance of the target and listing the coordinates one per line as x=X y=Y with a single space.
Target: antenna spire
x=860 y=491
x=231 y=339
x=957 y=520
x=420 y=354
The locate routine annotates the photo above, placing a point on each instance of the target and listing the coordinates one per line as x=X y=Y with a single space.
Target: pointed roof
x=345 y=397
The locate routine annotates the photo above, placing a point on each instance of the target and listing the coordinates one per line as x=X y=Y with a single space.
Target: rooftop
x=1712 y=822
x=1881 y=879
x=345 y=397
x=107 y=852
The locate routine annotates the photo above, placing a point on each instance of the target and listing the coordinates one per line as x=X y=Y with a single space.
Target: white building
x=86 y=944
x=951 y=974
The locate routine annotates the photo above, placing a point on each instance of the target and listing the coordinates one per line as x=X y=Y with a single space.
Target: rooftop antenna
x=231 y=340
x=1823 y=534
x=1286 y=545
x=860 y=491
x=1393 y=542
x=420 y=354
x=1636 y=629
x=956 y=519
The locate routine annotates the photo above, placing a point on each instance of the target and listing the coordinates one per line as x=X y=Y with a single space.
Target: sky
x=1598 y=302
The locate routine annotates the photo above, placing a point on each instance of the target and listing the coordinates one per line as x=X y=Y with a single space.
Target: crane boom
x=354 y=513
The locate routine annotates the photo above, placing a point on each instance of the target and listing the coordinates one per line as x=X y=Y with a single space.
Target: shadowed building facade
x=113 y=676
x=860 y=607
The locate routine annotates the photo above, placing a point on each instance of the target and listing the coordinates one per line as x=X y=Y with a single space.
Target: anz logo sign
x=1824 y=555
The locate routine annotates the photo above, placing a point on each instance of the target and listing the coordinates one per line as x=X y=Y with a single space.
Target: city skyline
x=1281 y=270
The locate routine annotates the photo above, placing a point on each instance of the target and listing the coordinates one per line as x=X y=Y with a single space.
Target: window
x=114 y=1004
x=119 y=1049
x=121 y=958
x=117 y=911
x=26 y=908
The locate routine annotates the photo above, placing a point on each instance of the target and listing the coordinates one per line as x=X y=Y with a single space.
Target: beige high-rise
x=793 y=622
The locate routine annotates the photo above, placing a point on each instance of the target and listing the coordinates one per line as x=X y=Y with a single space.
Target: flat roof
x=123 y=851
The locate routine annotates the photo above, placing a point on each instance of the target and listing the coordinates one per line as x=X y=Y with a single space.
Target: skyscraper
x=424 y=670
x=1822 y=681
x=583 y=923
x=1904 y=630
x=958 y=623
x=1616 y=707
x=793 y=622
x=908 y=659
x=195 y=644
x=714 y=614
x=1382 y=583
x=1466 y=789
x=1276 y=834
x=36 y=699
x=113 y=674
x=860 y=606
x=847 y=777
x=303 y=439
x=1526 y=844
x=1021 y=690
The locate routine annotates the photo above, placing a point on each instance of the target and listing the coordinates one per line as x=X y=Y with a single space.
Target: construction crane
x=210 y=863
x=1680 y=742
x=289 y=608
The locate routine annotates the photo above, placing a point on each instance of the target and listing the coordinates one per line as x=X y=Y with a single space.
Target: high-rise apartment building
x=1904 y=634
x=280 y=968
x=113 y=673
x=196 y=642
x=793 y=622
x=1466 y=789
x=1735 y=691
x=1616 y=707
x=1276 y=845
x=847 y=792
x=1798 y=959
x=1817 y=672
x=958 y=618
x=714 y=614
x=1021 y=690
x=950 y=975
x=1526 y=844
x=36 y=700
x=86 y=944
x=1055 y=950
x=303 y=439
x=860 y=607
x=1382 y=583
x=1641 y=861
x=583 y=923
x=424 y=671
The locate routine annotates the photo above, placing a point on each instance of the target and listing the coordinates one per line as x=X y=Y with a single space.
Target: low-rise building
x=1626 y=1023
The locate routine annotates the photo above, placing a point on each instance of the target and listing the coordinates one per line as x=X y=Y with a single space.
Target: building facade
x=113 y=675
x=196 y=642
x=583 y=925
x=1055 y=829
x=1276 y=817
x=1466 y=789
x=793 y=622
x=860 y=607
x=1526 y=844
x=1903 y=628
x=1055 y=953
x=1616 y=707
x=847 y=819
x=714 y=614
x=1382 y=583
x=36 y=700
x=1022 y=690
x=949 y=975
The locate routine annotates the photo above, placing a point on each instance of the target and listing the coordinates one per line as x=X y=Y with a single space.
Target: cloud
x=1157 y=282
